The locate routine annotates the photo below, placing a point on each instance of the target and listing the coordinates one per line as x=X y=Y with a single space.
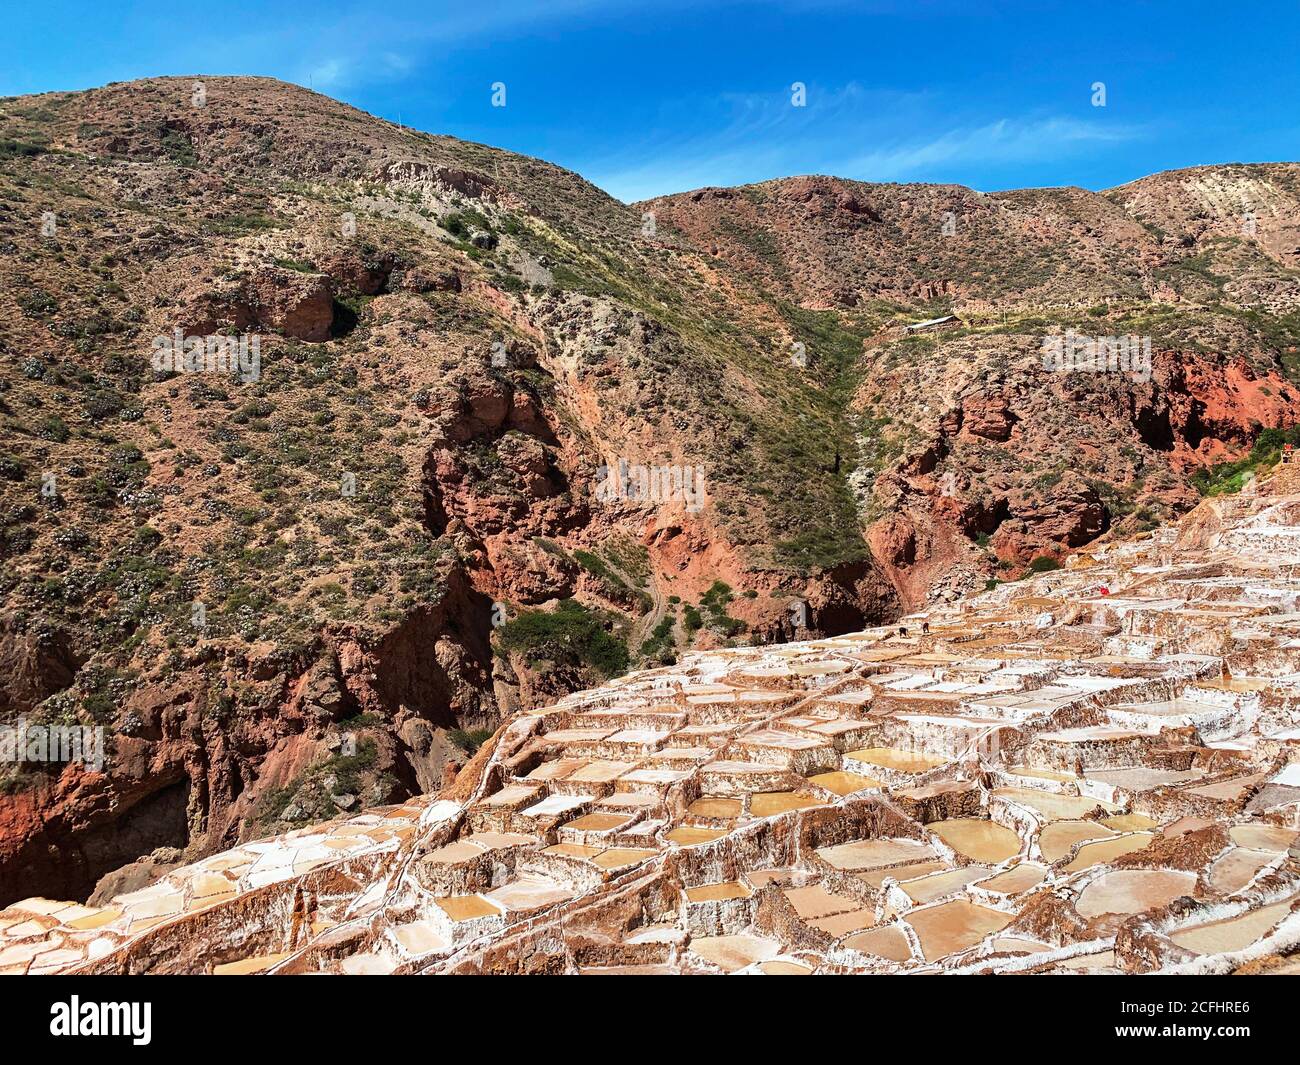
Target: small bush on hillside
x=571 y=635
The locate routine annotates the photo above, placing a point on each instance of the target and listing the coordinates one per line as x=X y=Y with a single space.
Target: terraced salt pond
x=981 y=841
x=771 y=803
x=936 y=885
x=954 y=926
x=1017 y=879
x=730 y=953
x=1233 y=933
x=1238 y=868
x=876 y=877
x=898 y=761
x=720 y=808
x=1057 y=839
x=875 y=853
x=1108 y=850
x=842 y=783
x=718 y=892
x=1272 y=838
x=887 y=941
x=1125 y=891
x=1053 y=807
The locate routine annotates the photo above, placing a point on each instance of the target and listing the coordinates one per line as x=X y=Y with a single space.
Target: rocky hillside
x=307 y=570
x=973 y=458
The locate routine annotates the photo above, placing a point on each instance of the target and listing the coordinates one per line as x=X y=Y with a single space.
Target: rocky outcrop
x=36 y=660
x=1070 y=517
x=987 y=416
x=288 y=302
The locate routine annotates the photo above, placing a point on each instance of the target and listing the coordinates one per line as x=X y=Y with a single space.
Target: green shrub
x=469 y=740
x=571 y=635
x=1229 y=477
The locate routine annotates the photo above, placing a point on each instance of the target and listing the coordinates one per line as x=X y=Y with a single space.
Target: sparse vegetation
x=571 y=635
x=1229 y=477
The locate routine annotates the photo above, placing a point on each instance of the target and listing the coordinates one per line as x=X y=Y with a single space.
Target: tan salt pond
x=1022 y=877
x=875 y=853
x=1108 y=849
x=784 y=968
x=686 y=836
x=368 y=964
x=557 y=769
x=730 y=953
x=954 y=926
x=815 y=901
x=54 y=959
x=771 y=803
x=1053 y=807
x=979 y=840
x=249 y=965
x=1233 y=933
x=1263 y=837
x=714 y=807
x=1237 y=868
x=1057 y=839
x=887 y=941
x=1016 y=945
x=842 y=783
x=1102 y=960
x=466 y=907
x=1133 y=891
x=892 y=758
x=96 y=920
x=876 y=877
x=1129 y=822
x=573 y=850
x=347 y=843
x=936 y=885
x=1228 y=790
x=596 y=822
x=718 y=892
x=602 y=771
x=529 y=892
x=420 y=937
x=617 y=857
x=454 y=853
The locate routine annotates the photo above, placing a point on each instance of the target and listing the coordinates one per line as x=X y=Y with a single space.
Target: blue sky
x=649 y=98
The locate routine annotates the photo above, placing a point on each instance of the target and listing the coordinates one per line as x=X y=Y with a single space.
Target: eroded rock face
x=297 y=306
x=294 y=304
x=37 y=660
x=189 y=770
x=988 y=416
x=1030 y=462
x=1072 y=516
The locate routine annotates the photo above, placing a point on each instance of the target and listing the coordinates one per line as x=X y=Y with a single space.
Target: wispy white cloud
x=357 y=50
x=329 y=74
x=913 y=136
x=1004 y=141
x=343 y=72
